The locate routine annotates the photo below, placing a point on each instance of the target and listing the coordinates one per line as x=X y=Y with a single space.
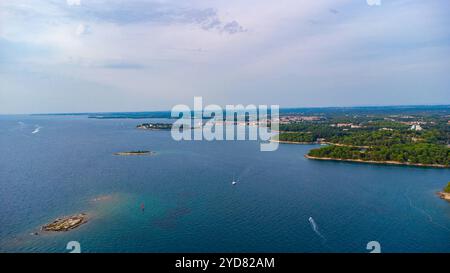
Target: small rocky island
x=163 y=126
x=155 y=126
x=445 y=194
x=66 y=223
x=135 y=153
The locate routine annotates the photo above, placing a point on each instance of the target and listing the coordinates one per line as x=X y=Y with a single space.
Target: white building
x=416 y=127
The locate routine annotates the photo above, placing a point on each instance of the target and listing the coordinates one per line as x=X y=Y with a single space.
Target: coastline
x=444 y=195
x=318 y=142
x=294 y=142
x=378 y=162
x=397 y=163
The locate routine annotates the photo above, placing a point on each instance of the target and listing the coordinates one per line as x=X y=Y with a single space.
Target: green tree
x=447 y=189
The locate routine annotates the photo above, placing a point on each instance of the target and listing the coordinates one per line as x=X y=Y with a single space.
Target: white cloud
x=373 y=2
x=73 y=2
x=80 y=30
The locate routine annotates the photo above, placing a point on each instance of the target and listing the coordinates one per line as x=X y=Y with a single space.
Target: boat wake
x=38 y=128
x=315 y=228
x=422 y=211
x=244 y=173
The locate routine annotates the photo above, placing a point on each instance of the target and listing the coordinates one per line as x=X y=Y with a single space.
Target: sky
x=59 y=56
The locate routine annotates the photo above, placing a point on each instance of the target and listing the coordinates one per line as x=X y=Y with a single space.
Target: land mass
x=413 y=138
x=66 y=223
x=155 y=126
x=293 y=142
x=131 y=153
x=445 y=193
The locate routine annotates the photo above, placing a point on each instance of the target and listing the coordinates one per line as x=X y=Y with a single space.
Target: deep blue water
x=190 y=204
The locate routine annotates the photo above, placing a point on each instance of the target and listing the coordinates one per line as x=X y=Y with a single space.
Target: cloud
x=297 y=53
x=334 y=11
x=233 y=27
x=164 y=13
x=373 y=2
x=73 y=2
x=208 y=19
x=130 y=12
x=81 y=30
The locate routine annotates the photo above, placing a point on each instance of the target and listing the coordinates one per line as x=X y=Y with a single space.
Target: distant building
x=414 y=122
x=298 y=118
x=416 y=127
x=339 y=125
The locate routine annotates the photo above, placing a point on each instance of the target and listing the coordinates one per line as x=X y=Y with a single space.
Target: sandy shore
x=444 y=195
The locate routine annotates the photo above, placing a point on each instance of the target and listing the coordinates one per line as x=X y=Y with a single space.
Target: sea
x=181 y=199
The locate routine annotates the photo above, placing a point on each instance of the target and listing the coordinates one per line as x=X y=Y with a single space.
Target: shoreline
x=293 y=142
x=444 y=195
x=397 y=163
x=319 y=143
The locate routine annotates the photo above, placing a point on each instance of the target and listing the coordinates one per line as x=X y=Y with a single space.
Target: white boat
x=234 y=182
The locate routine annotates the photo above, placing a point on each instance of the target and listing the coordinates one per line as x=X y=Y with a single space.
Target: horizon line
x=281 y=108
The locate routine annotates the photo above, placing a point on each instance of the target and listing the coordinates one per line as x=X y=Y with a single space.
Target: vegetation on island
x=447 y=188
x=421 y=153
x=296 y=137
x=445 y=193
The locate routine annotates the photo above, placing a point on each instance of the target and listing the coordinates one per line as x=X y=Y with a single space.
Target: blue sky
x=139 y=55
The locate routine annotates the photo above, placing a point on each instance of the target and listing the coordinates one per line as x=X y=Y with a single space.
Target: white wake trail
x=38 y=128
x=315 y=228
x=429 y=217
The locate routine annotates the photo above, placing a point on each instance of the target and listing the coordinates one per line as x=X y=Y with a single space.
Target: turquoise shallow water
x=190 y=204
